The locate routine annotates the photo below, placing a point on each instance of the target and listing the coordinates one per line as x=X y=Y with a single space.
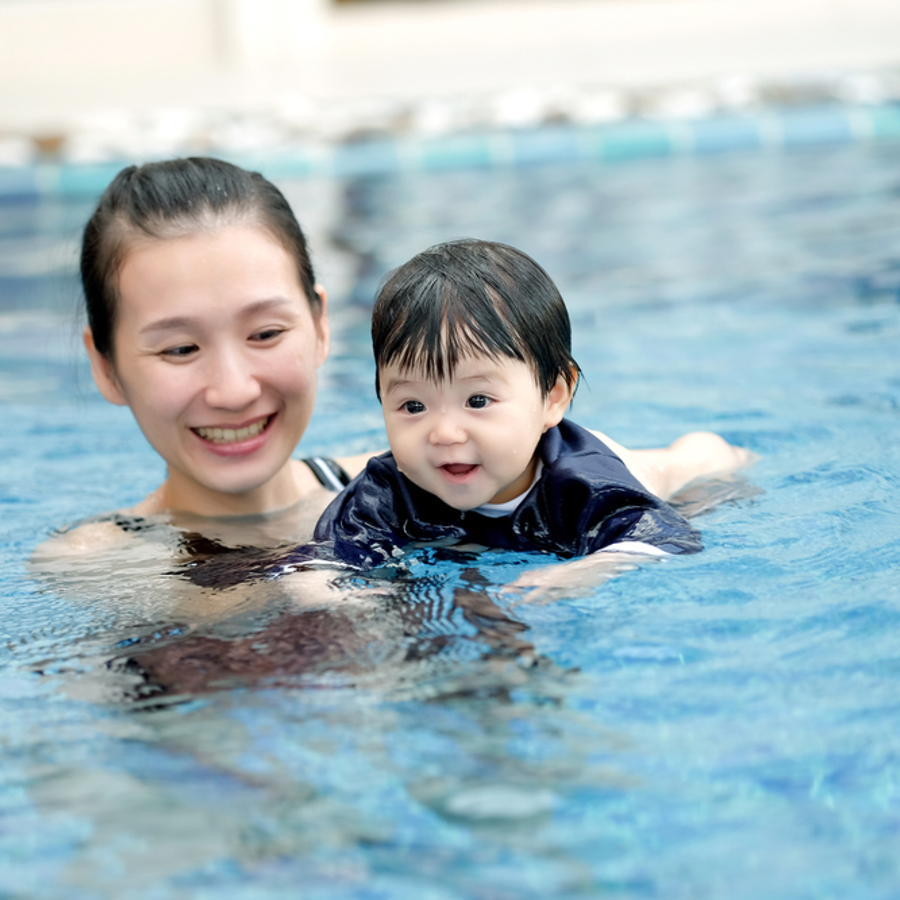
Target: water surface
x=723 y=725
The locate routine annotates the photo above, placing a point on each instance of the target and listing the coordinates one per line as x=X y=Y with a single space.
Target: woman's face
x=216 y=354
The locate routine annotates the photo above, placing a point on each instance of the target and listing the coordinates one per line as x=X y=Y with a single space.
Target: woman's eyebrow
x=169 y=324
x=173 y=323
x=259 y=306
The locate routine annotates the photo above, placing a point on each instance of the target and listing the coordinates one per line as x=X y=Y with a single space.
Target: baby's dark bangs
x=434 y=335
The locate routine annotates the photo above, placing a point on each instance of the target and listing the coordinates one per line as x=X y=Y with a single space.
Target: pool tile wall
x=629 y=139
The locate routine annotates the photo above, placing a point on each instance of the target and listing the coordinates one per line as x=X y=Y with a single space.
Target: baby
x=474 y=371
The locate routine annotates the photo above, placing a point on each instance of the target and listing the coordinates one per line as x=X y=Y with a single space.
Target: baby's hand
x=573 y=578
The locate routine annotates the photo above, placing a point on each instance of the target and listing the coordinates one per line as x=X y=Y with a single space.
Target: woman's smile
x=233 y=435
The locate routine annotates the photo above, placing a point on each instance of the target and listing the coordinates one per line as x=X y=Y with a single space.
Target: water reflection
x=396 y=633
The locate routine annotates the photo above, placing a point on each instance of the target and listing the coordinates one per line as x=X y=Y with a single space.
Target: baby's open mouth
x=233 y=435
x=459 y=468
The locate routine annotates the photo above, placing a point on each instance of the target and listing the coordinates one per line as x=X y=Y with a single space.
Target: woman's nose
x=233 y=382
x=447 y=430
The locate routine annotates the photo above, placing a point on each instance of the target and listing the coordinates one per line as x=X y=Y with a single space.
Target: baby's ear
x=557 y=401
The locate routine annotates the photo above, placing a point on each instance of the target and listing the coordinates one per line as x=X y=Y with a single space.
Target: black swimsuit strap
x=126 y=523
x=328 y=473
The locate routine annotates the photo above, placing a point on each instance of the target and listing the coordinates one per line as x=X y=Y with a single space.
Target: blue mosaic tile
x=83 y=180
x=637 y=140
x=18 y=181
x=294 y=163
x=460 y=151
x=885 y=121
x=816 y=125
x=551 y=144
x=366 y=158
x=722 y=133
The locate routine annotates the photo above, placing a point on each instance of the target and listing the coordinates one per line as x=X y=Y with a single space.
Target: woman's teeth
x=232 y=435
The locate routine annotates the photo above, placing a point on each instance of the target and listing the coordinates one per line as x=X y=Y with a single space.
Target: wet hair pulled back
x=164 y=200
x=466 y=298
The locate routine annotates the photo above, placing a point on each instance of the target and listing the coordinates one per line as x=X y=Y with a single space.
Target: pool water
x=721 y=725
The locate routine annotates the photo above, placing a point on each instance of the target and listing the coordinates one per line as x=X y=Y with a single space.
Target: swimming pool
x=724 y=725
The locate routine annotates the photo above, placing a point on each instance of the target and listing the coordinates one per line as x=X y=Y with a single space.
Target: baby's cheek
x=403 y=466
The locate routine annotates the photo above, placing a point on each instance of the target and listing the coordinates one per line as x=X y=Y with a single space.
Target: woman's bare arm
x=91 y=537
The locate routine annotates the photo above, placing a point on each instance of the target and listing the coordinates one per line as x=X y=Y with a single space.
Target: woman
x=205 y=319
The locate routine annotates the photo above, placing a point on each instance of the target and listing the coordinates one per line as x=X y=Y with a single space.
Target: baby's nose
x=447 y=430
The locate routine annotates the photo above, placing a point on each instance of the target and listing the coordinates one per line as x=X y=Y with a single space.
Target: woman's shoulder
x=97 y=534
x=113 y=530
x=353 y=465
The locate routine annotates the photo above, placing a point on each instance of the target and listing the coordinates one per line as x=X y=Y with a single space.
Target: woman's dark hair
x=169 y=199
x=470 y=297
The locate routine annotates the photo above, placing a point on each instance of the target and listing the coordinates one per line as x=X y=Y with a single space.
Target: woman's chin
x=228 y=489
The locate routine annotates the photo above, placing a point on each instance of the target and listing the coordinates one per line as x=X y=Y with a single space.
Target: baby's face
x=471 y=439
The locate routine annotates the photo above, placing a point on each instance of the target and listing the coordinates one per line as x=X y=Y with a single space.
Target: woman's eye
x=268 y=334
x=478 y=401
x=180 y=352
x=413 y=407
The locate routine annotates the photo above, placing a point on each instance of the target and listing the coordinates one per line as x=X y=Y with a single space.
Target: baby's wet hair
x=173 y=198
x=471 y=298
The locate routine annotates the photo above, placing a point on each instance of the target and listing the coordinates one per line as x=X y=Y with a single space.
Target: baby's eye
x=478 y=401
x=413 y=407
x=180 y=352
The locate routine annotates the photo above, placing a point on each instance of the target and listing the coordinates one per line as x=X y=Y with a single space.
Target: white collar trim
x=498 y=510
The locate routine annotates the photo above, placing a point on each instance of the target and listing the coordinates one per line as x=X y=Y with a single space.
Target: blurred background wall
x=65 y=59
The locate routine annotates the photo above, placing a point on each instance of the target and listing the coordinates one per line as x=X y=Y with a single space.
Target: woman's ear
x=322 y=329
x=102 y=370
x=558 y=400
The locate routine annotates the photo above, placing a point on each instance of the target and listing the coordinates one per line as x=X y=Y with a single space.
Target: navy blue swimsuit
x=585 y=499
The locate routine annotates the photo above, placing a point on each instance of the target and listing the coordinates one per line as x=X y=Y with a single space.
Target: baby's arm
x=663 y=471
x=693 y=457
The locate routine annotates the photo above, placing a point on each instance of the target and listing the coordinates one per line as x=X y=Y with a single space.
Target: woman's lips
x=220 y=436
x=236 y=442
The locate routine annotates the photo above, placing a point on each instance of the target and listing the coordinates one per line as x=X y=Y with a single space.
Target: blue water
x=724 y=725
